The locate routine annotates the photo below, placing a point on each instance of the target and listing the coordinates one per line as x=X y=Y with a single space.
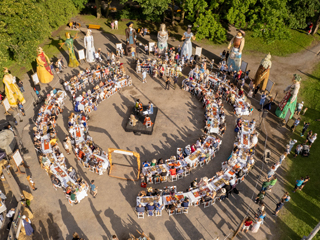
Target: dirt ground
x=179 y=123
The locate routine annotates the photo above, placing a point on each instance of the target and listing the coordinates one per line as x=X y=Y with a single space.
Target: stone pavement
x=179 y=121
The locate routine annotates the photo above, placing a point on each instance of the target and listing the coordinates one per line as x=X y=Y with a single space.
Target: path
x=111 y=212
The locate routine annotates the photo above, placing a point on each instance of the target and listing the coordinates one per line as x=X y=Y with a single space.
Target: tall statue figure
x=262 y=74
x=186 y=49
x=11 y=89
x=44 y=72
x=73 y=62
x=162 y=39
x=89 y=46
x=234 y=58
x=290 y=99
x=131 y=36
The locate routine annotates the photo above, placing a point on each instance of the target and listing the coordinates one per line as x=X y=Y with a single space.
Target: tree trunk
x=98 y=6
x=183 y=12
x=108 y=6
x=316 y=26
x=172 y=13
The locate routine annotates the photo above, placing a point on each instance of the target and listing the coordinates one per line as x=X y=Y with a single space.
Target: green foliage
x=152 y=9
x=194 y=8
x=300 y=11
x=24 y=24
x=78 y=4
x=238 y=11
x=210 y=27
x=267 y=20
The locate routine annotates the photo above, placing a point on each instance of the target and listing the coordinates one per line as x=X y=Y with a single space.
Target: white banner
x=35 y=78
x=81 y=54
x=6 y=104
x=17 y=158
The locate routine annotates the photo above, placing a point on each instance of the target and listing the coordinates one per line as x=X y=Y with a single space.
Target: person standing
x=299 y=183
x=93 y=188
x=282 y=157
x=116 y=24
x=144 y=77
x=295 y=124
x=248 y=222
x=260 y=197
x=262 y=100
x=298 y=150
x=265 y=185
x=291 y=144
x=167 y=84
x=305 y=127
x=312 y=139
x=175 y=82
x=273 y=182
x=256 y=226
x=299 y=108
x=306 y=179
x=20 y=85
x=278 y=207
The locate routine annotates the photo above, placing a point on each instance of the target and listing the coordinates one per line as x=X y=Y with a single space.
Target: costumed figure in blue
x=131 y=37
x=234 y=58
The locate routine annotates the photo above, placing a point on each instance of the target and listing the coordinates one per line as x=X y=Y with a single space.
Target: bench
x=92 y=26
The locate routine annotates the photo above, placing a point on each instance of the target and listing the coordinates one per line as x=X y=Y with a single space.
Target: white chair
x=91 y=169
x=157 y=180
x=148 y=124
x=208 y=160
x=197 y=203
x=164 y=179
x=178 y=210
x=150 y=213
x=180 y=175
x=140 y=214
x=207 y=204
x=174 y=178
x=171 y=212
x=158 y=213
x=186 y=172
x=195 y=165
x=185 y=210
x=149 y=180
x=202 y=163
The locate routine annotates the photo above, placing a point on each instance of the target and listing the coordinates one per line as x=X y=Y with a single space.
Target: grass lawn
x=302 y=213
x=299 y=41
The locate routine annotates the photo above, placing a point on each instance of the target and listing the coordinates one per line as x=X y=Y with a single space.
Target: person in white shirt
x=312 y=139
x=116 y=24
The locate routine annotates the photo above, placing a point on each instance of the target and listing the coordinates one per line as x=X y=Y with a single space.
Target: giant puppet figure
x=186 y=49
x=73 y=62
x=262 y=74
x=44 y=72
x=131 y=37
x=11 y=89
x=290 y=99
x=162 y=39
x=234 y=58
x=89 y=46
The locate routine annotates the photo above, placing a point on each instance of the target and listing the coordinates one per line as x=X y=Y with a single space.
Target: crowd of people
x=51 y=159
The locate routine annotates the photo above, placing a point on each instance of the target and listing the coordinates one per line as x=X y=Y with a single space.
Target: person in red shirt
x=248 y=222
x=173 y=171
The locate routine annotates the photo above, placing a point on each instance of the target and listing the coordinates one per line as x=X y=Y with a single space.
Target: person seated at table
x=56 y=181
x=180 y=157
x=158 y=208
x=147 y=120
x=228 y=188
x=160 y=161
x=222 y=129
x=193 y=148
x=145 y=164
x=179 y=171
x=233 y=182
x=202 y=157
x=221 y=194
x=140 y=209
x=150 y=208
x=187 y=151
x=150 y=191
x=72 y=173
x=156 y=192
x=163 y=174
x=173 y=171
x=185 y=203
x=166 y=192
x=156 y=177
x=194 y=183
x=73 y=197
x=138 y=106
x=216 y=142
x=206 y=198
x=172 y=206
x=153 y=162
x=239 y=173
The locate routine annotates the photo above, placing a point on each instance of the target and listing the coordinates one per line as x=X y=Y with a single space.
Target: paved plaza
x=179 y=122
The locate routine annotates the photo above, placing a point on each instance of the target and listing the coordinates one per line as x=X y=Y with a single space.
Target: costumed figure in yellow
x=44 y=72
x=73 y=62
x=262 y=74
x=11 y=89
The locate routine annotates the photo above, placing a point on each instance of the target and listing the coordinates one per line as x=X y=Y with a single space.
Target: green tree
x=108 y=6
x=300 y=11
x=79 y=4
x=238 y=10
x=194 y=8
x=98 y=6
x=267 y=19
x=209 y=26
